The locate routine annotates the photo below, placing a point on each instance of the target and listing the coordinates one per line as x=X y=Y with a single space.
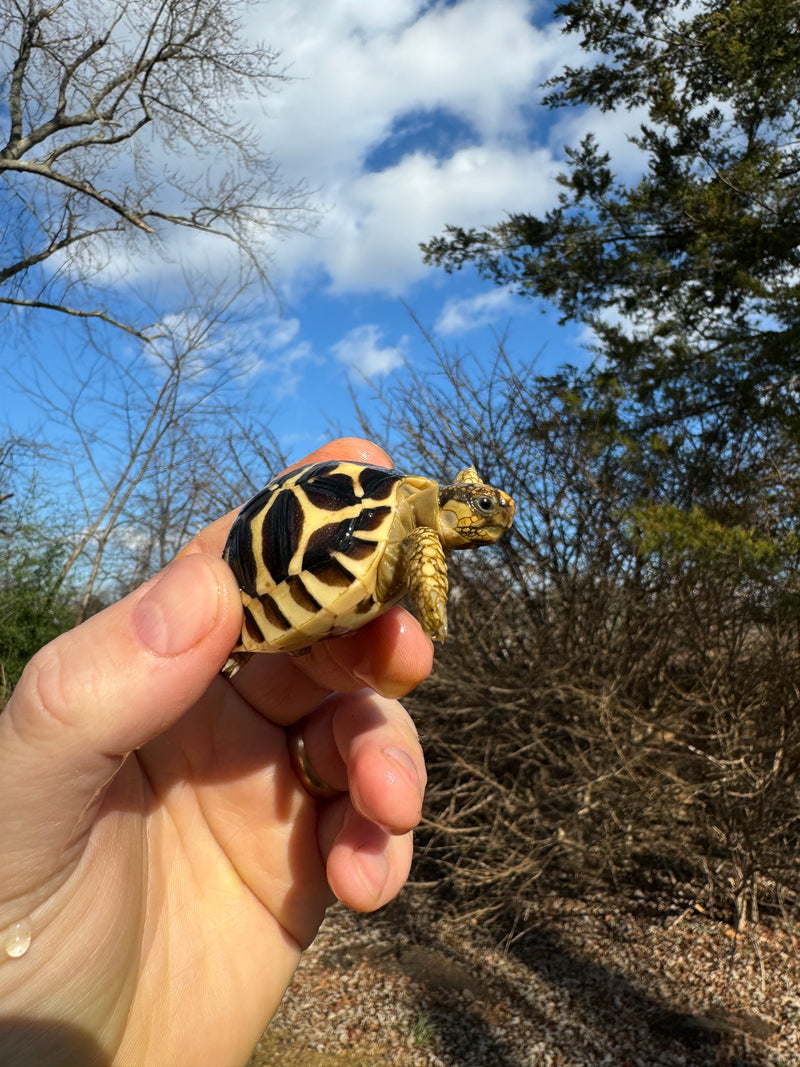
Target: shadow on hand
x=25 y=1042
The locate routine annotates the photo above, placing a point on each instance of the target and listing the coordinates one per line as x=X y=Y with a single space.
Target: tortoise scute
x=331 y=572
x=301 y=596
x=324 y=497
x=330 y=492
x=360 y=550
x=366 y=605
x=264 y=609
x=371 y=519
x=251 y=631
x=240 y=556
x=324 y=542
x=280 y=535
x=377 y=483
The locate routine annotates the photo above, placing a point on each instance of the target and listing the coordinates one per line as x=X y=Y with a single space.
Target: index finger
x=390 y=655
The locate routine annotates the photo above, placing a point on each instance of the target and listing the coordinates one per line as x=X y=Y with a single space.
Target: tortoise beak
x=507 y=511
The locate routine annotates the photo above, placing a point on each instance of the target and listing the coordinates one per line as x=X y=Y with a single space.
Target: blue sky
x=402 y=116
x=406 y=116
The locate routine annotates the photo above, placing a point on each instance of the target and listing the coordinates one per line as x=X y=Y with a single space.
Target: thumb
x=105 y=688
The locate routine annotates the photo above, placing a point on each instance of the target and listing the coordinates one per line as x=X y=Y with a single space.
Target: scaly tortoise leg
x=234 y=663
x=426 y=575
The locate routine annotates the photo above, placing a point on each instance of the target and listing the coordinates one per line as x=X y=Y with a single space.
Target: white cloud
x=270 y=356
x=358 y=65
x=278 y=333
x=361 y=351
x=360 y=68
x=370 y=238
x=284 y=373
x=463 y=315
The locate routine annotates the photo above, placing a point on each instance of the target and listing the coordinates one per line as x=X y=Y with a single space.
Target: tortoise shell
x=321 y=549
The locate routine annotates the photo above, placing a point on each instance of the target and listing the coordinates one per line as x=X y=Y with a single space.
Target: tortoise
x=329 y=546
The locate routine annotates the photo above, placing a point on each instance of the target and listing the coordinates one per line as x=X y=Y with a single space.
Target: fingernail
x=390 y=662
x=180 y=608
x=403 y=764
x=387 y=687
x=372 y=671
x=373 y=868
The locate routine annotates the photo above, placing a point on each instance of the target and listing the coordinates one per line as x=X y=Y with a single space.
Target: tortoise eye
x=484 y=505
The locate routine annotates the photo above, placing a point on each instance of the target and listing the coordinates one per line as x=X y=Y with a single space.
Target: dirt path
x=587 y=984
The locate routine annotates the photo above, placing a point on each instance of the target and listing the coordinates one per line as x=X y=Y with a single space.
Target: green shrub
x=34 y=607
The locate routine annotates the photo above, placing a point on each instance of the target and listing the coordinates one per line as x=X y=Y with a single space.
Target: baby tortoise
x=327 y=547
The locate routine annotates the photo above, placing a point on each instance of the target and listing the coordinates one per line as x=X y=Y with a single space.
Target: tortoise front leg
x=426 y=575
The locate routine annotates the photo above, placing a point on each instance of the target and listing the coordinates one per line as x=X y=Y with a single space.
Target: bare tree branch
x=80 y=313
x=44 y=170
x=97 y=97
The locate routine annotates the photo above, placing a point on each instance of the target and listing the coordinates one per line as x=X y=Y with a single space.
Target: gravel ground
x=589 y=983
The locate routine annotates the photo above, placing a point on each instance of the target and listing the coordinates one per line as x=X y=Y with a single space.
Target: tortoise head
x=471 y=513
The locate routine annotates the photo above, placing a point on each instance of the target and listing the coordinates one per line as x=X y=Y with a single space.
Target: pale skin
x=172 y=866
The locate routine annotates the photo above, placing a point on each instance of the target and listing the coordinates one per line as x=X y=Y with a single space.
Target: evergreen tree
x=688 y=276
x=34 y=607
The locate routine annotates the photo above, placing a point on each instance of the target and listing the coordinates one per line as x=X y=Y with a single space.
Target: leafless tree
x=605 y=709
x=6 y=453
x=147 y=443
x=122 y=130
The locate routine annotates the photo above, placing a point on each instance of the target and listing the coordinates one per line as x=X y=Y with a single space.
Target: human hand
x=154 y=833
